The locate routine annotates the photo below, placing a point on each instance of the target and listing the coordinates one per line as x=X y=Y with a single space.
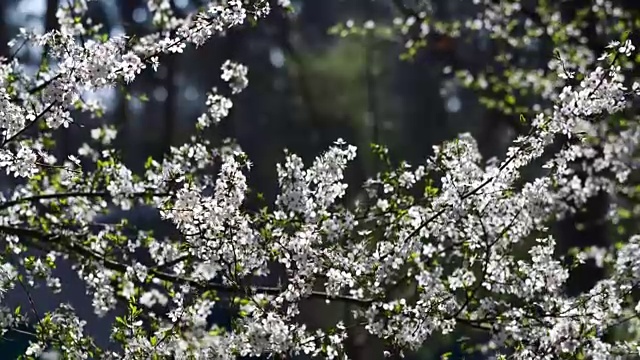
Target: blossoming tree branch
x=456 y=242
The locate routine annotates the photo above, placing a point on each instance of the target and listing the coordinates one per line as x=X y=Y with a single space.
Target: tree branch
x=29 y=125
x=10 y=203
x=72 y=248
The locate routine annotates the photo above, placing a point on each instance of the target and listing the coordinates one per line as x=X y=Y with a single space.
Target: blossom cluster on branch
x=455 y=242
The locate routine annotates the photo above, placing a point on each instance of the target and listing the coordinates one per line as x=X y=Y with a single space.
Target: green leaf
x=624 y=213
x=522 y=119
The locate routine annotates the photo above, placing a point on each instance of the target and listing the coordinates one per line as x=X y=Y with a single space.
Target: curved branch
x=26 y=199
x=71 y=248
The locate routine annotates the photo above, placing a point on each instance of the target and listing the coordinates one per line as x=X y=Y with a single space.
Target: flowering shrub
x=455 y=242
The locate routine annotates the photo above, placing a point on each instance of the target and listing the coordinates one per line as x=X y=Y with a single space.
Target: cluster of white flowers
x=218 y=107
x=236 y=75
x=415 y=258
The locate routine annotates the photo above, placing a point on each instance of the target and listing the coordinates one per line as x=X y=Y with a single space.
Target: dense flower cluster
x=415 y=257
